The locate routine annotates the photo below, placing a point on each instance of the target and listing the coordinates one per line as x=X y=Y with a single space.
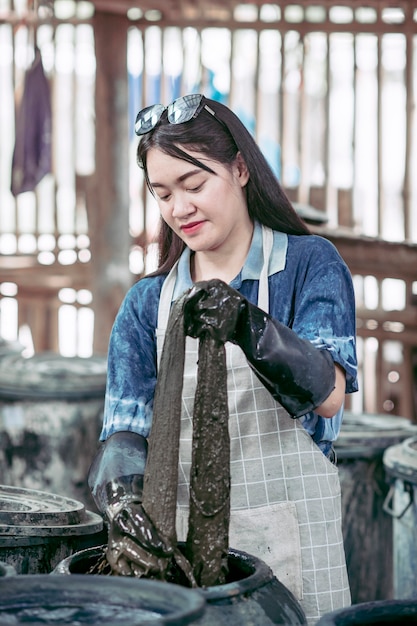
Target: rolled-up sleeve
x=324 y=311
x=132 y=361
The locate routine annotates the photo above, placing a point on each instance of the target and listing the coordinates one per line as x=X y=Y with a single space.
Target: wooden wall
x=329 y=96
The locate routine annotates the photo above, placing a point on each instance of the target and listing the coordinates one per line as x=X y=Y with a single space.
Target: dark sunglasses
x=181 y=110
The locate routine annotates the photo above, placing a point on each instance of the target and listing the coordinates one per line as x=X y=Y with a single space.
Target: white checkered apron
x=285 y=494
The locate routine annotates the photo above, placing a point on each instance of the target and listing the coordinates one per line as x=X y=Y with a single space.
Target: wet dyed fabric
x=310 y=290
x=32 y=158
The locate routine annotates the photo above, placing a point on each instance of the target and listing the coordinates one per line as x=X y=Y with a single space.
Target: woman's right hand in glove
x=134 y=546
x=213 y=307
x=116 y=481
x=296 y=373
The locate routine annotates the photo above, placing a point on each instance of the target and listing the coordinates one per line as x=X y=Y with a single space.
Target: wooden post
x=345 y=208
x=108 y=204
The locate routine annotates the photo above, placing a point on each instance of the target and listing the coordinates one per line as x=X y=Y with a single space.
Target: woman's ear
x=241 y=170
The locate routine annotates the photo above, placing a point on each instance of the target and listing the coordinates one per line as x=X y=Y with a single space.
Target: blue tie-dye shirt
x=310 y=290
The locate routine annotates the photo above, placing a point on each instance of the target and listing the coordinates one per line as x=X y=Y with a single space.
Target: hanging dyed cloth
x=32 y=156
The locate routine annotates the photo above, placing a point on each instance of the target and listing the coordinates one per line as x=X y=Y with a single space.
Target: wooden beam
x=383 y=259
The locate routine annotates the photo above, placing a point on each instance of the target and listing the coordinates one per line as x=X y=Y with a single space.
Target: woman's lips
x=192 y=227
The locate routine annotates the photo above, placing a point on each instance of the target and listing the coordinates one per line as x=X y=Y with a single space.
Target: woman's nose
x=182 y=207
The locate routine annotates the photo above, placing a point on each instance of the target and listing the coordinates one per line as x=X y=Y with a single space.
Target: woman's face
x=208 y=211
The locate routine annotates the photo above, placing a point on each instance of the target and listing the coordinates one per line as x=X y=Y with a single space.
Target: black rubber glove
x=116 y=481
x=296 y=373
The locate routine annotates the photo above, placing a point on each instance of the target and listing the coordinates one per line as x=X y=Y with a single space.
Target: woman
x=228 y=229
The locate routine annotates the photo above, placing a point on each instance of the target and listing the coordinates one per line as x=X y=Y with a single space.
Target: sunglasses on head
x=181 y=110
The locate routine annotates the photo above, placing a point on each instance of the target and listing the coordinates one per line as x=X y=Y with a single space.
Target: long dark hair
x=220 y=140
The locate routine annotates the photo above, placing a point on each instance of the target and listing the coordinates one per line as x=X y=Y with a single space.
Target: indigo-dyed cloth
x=32 y=158
x=310 y=290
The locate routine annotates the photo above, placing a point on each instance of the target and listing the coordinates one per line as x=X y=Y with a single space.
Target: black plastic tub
x=367 y=529
x=400 y=462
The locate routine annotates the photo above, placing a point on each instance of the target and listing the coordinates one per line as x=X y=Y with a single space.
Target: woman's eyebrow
x=181 y=178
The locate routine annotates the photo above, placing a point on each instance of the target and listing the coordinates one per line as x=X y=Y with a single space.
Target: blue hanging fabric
x=32 y=156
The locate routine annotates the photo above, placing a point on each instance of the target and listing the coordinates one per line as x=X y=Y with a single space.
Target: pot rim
x=374 y=610
x=31 y=589
x=258 y=573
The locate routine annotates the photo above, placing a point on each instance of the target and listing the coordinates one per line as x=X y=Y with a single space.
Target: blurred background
x=327 y=88
x=329 y=91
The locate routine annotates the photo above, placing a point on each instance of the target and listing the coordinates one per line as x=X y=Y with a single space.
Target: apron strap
x=263 y=289
x=165 y=299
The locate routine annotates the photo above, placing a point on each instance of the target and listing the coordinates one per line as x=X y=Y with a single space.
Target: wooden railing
x=37 y=292
x=387 y=339
x=387 y=331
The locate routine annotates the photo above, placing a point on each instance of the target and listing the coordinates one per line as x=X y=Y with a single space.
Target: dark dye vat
x=252 y=595
x=386 y=612
x=6 y=569
x=96 y=601
x=88 y=613
x=38 y=529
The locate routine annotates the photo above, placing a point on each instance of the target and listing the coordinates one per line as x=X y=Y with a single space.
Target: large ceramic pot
x=51 y=413
x=386 y=612
x=39 y=529
x=96 y=601
x=7 y=570
x=252 y=597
